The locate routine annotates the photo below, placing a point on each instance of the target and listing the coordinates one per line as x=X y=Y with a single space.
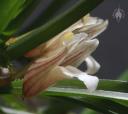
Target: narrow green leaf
x=13 y=102
x=125 y=103
x=86 y=103
x=113 y=106
x=33 y=38
x=100 y=100
x=123 y=76
x=56 y=91
x=88 y=111
x=9 y=9
x=7 y=110
x=49 y=12
x=64 y=105
x=15 y=25
x=108 y=85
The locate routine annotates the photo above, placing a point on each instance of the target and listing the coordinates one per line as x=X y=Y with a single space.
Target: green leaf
x=101 y=100
x=88 y=111
x=124 y=76
x=64 y=106
x=108 y=104
x=35 y=37
x=9 y=9
x=6 y=110
x=98 y=100
x=86 y=103
x=15 y=25
x=108 y=85
x=49 y=12
x=57 y=91
x=13 y=101
x=116 y=105
x=106 y=98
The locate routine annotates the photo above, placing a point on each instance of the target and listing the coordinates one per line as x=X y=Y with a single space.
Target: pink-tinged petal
x=49 y=79
x=37 y=73
x=36 y=52
x=55 y=59
x=33 y=53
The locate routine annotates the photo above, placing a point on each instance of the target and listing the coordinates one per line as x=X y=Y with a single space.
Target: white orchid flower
x=59 y=58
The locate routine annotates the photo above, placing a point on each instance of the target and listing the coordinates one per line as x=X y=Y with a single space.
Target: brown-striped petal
x=49 y=79
x=36 y=72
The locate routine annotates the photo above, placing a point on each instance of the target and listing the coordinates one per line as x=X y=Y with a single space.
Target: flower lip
x=91 y=82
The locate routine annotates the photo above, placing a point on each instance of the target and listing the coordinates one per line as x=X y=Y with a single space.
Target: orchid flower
x=59 y=58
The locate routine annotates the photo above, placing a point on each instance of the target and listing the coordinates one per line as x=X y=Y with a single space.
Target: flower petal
x=92 y=65
x=36 y=52
x=47 y=80
x=59 y=73
x=91 y=82
x=80 y=52
x=38 y=70
x=53 y=44
x=93 y=28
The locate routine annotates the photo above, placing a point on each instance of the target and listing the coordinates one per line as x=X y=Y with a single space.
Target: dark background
x=112 y=52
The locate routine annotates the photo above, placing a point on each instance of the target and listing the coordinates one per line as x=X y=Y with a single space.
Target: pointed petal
x=93 y=28
x=36 y=52
x=92 y=65
x=91 y=20
x=96 y=30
